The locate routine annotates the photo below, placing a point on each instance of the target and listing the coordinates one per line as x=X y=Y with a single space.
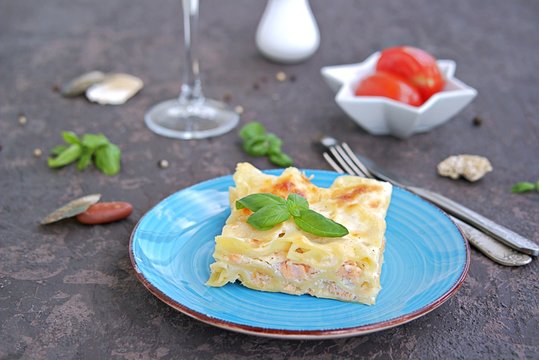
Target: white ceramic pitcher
x=287 y=32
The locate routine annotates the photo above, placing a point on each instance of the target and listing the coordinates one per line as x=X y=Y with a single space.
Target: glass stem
x=191 y=90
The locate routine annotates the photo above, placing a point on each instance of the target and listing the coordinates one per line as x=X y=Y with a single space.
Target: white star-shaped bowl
x=384 y=116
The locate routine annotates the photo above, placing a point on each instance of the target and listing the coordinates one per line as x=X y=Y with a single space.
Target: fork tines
x=343 y=160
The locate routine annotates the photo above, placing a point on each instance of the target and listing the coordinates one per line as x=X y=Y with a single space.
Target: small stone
x=239 y=109
x=256 y=86
x=292 y=78
x=22 y=120
x=280 y=76
x=477 y=121
x=55 y=88
x=105 y=212
x=227 y=97
x=163 y=164
x=471 y=167
x=38 y=152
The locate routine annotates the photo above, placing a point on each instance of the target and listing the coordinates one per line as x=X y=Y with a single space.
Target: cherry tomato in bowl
x=414 y=65
x=390 y=86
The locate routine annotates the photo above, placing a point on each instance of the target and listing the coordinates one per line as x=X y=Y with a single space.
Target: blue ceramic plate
x=426 y=260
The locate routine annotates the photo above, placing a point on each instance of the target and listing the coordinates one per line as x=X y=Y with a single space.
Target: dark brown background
x=68 y=291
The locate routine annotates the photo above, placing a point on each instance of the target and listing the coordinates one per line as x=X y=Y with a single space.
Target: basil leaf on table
x=57 y=150
x=281 y=159
x=317 y=224
x=70 y=137
x=252 y=129
x=107 y=159
x=257 y=142
x=256 y=146
x=268 y=216
x=94 y=141
x=85 y=159
x=274 y=144
x=523 y=187
x=70 y=154
x=255 y=202
x=105 y=155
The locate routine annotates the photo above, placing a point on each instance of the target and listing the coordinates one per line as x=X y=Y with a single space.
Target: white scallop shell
x=115 y=89
x=81 y=83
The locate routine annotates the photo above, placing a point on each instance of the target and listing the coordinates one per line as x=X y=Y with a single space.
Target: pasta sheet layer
x=286 y=259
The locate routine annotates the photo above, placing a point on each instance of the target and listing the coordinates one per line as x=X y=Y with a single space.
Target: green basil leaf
x=252 y=129
x=255 y=202
x=317 y=224
x=299 y=200
x=281 y=159
x=256 y=146
x=274 y=144
x=85 y=158
x=268 y=216
x=522 y=187
x=94 y=141
x=70 y=137
x=58 y=149
x=537 y=186
x=107 y=159
x=69 y=155
x=296 y=203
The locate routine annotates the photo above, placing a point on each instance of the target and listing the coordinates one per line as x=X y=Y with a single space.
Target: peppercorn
x=163 y=164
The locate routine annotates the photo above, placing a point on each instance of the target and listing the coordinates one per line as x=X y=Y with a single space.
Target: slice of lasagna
x=286 y=259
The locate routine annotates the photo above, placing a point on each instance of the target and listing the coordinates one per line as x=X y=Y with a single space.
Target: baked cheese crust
x=286 y=259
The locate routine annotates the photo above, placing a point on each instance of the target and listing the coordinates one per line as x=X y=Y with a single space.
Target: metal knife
x=492 y=248
x=497 y=231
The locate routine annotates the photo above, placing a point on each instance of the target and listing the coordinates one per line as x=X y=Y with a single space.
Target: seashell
x=115 y=89
x=78 y=85
x=71 y=209
x=471 y=167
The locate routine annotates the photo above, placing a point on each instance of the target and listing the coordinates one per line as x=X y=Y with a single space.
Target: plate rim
x=299 y=334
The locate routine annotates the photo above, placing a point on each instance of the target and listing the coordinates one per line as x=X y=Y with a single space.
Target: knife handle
x=497 y=231
x=493 y=249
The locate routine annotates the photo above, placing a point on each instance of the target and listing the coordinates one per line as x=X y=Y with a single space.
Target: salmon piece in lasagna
x=288 y=260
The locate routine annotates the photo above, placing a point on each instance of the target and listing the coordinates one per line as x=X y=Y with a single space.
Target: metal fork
x=343 y=160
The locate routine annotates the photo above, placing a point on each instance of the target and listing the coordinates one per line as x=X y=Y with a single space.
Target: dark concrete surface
x=68 y=291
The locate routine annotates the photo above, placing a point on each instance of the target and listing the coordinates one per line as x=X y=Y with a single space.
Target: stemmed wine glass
x=191 y=115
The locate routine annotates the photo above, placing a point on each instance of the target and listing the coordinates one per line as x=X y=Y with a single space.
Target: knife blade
x=497 y=231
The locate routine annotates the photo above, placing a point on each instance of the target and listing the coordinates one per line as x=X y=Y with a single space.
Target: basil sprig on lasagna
x=270 y=210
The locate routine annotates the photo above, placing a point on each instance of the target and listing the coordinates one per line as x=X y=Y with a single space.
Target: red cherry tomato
x=414 y=65
x=390 y=86
x=105 y=212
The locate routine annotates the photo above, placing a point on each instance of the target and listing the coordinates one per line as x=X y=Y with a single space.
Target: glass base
x=195 y=120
